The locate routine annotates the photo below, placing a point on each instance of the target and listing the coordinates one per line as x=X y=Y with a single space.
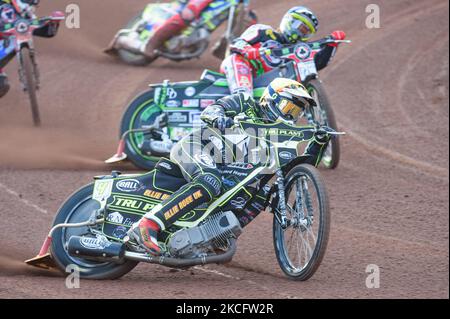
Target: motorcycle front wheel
x=28 y=77
x=78 y=208
x=324 y=115
x=301 y=246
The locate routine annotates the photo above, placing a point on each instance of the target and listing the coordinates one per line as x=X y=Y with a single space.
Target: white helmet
x=299 y=23
x=284 y=100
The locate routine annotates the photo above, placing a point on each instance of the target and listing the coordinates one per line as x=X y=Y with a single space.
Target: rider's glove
x=223 y=123
x=337 y=35
x=252 y=53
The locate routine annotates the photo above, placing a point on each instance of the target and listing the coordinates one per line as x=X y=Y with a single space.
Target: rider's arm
x=249 y=44
x=226 y=108
x=328 y=51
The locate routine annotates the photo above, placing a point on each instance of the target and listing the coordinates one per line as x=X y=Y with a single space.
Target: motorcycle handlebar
x=279 y=51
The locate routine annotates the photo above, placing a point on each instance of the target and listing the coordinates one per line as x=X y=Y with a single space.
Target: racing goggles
x=289 y=109
x=304 y=31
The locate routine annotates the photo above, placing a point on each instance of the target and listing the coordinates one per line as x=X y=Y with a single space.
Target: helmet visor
x=290 y=110
x=303 y=29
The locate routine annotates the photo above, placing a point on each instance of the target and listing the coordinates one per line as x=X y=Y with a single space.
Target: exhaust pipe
x=183 y=263
x=95 y=248
x=100 y=249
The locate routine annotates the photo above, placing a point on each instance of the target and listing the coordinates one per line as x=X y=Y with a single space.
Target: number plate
x=306 y=69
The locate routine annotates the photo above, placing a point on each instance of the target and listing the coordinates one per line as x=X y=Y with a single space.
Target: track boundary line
x=219 y=273
x=23 y=200
x=435 y=171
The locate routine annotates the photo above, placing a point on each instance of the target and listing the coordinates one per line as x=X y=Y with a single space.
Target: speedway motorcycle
x=18 y=42
x=192 y=42
x=183 y=102
x=89 y=230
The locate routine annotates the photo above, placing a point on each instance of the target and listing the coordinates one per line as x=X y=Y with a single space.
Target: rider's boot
x=175 y=25
x=4 y=83
x=202 y=190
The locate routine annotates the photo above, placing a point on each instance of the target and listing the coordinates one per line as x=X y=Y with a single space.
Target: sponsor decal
x=115 y=217
x=241 y=165
x=171 y=94
x=205 y=103
x=8 y=15
x=244 y=81
x=173 y=103
x=156 y=195
x=191 y=103
x=190 y=91
x=161 y=97
x=129 y=185
x=286 y=155
x=182 y=204
x=234 y=173
x=205 y=160
x=303 y=51
x=177 y=118
x=120 y=232
x=195 y=118
x=243 y=70
x=102 y=189
x=165 y=165
x=228 y=182
x=133 y=204
x=258 y=206
x=238 y=202
x=94 y=243
x=214 y=182
x=283 y=132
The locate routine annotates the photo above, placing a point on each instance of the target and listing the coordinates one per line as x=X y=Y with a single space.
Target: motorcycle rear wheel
x=299 y=267
x=132 y=119
x=78 y=208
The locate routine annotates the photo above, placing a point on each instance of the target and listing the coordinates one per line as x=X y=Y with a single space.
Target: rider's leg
x=239 y=74
x=205 y=185
x=4 y=83
x=175 y=25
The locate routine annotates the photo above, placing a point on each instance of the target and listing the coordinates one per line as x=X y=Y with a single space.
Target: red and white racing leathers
x=247 y=62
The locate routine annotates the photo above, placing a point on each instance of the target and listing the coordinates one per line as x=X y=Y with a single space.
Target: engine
x=212 y=234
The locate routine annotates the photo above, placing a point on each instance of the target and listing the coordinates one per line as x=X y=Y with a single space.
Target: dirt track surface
x=389 y=197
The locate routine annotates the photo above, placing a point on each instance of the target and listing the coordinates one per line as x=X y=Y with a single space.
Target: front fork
x=281 y=212
x=230 y=23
